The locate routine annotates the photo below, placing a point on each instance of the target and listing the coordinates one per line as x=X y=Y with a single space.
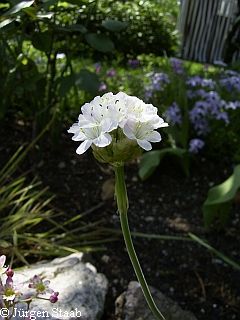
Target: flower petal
x=79 y=136
x=74 y=128
x=103 y=140
x=154 y=136
x=84 y=146
x=146 y=145
x=2 y=260
x=128 y=130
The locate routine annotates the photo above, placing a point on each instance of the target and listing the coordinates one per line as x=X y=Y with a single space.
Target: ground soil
x=169 y=203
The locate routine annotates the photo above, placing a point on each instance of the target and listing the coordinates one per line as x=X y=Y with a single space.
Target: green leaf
x=87 y=81
x=42 y=41
x=5 y=244
x=31 y=12
x=73 y=28
x=84 y=80
x=151 y=160
x=18 y=7
x=114 y=25
x=214 y=251
x=100 y=42
x=66 y=83
x=219 y=199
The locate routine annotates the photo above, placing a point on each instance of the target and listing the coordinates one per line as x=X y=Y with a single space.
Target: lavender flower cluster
x=207 y=105
x=158 y=81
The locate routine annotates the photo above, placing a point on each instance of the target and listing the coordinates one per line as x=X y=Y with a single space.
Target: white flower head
x=111 y=118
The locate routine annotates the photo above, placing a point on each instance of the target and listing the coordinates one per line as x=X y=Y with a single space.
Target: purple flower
x=177 y=65
x=198 y=117
x=102 y=87
x=195 y=145
x=173 y=114
x=158 y=80
x=111 y=73
x=231 y=83
x=232 y=105
x=231 y=73
x=133 y=63
x=198 y=81
x=10 y=272
x=7 y=291
x=39 y=285
x=98 y=67
x=54 y=297
x=197 y=93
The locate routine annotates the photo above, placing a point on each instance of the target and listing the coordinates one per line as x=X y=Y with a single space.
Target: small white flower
x=97 y=135
x=142 y=132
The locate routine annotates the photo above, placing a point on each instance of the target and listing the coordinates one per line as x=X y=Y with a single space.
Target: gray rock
x=131 y=305
x=81 y=289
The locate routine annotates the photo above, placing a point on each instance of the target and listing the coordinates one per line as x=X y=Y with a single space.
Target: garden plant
x=177 y=186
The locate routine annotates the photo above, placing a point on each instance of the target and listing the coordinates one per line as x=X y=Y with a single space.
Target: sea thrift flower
x=117 y=126
x=7 y=291
x=9 y=272
x=54 y=297
x=39 y=285
x=195 y=145
x=118 y=121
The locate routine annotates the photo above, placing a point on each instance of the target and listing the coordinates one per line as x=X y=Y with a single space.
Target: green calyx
x=117 y=153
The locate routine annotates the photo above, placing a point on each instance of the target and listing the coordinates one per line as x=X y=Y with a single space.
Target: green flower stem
x=122 y=203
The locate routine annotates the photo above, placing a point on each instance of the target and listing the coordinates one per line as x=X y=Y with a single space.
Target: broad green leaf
x=151 y=160
x=18 y=7
x=84 y=80
x=114 y=25
x=87 y=81
x=31 y=11
x=42 y=41
x=100 y=42
x=219 y=199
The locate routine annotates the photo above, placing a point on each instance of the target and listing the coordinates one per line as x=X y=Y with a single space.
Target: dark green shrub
x=150 y=24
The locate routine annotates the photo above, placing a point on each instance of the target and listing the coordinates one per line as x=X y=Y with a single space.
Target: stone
x=131 y=305
x=81 y=289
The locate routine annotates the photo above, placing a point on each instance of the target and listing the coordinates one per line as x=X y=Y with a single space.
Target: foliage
x=29 y=226
x=220 y=198
x=41 y=41
x=152 y=159
x=150 y=25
